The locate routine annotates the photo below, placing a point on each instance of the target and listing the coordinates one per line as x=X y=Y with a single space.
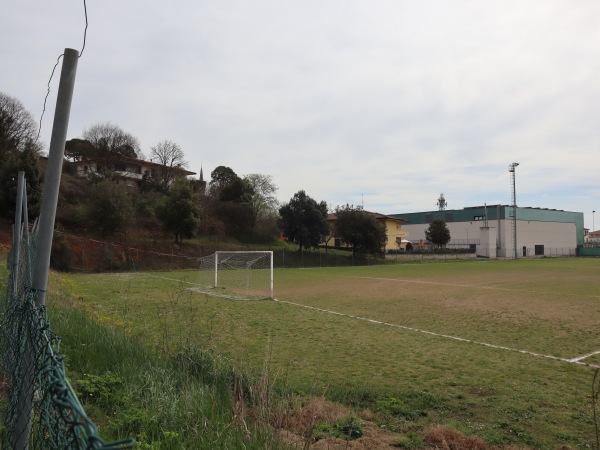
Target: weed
x=411 y=406
x=104 y=390
x=349 y=427
x=411 y=441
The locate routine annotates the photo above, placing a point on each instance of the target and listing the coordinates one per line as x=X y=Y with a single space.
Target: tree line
x=244 y=207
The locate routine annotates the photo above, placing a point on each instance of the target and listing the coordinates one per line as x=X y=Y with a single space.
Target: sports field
x=505 y=350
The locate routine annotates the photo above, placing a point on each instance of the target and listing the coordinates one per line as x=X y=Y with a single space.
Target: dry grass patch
x=444 y=438
x=298 y=420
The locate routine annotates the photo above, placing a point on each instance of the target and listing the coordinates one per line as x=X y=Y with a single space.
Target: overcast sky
x=380 y=103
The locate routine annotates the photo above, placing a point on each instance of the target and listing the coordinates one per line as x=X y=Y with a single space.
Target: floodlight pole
x=593 y=222
x=511 y=169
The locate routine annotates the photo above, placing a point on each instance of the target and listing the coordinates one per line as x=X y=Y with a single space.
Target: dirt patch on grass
x=439 y=437
x=297 y=424
x=373 y=438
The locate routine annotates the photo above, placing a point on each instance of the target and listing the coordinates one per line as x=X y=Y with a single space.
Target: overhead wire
x=56 y=65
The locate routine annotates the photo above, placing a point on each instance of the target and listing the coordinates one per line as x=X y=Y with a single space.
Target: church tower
x=201 y=182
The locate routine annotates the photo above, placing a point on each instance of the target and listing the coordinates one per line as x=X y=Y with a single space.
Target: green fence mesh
x=41 y=410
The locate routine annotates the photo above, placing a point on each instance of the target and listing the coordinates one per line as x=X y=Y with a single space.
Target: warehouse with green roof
x=491 y=231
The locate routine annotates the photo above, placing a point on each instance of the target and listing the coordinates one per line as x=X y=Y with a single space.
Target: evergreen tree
x=110 y=208
x=304 y=221
x=13 y=162
x=179 y=212
x=360 y=230
x=438 y=233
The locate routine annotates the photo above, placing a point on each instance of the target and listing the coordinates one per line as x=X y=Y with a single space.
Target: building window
x=479 y=218
x=539 y=250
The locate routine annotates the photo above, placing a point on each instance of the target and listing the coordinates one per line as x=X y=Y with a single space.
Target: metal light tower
x=593 y=224
x=511 y=169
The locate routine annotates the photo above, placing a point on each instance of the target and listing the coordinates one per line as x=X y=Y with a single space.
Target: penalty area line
x=578 y=360
x=582 y=357
x=171 y=279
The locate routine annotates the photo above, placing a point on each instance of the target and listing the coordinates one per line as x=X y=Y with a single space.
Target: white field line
x=211 y=292
x=170 y=279
x=579 y=358
x=447 y=336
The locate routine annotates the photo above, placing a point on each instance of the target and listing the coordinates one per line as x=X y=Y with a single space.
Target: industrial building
x=490 y=230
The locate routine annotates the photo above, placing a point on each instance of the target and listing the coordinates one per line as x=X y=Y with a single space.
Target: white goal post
x=241 y=275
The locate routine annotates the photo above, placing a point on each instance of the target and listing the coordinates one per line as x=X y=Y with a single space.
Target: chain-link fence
x=40 y=409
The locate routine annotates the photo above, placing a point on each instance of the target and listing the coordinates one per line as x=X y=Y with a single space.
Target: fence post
x=45 y=232
x=17 y=233
x=25 y=213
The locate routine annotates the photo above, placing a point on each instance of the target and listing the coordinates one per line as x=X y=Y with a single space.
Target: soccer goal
x=241 y=275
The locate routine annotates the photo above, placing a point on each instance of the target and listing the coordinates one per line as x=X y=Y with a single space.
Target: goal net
x=241 y=275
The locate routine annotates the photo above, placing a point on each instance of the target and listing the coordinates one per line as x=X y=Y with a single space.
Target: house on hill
x=397 y=239
x=131 y=170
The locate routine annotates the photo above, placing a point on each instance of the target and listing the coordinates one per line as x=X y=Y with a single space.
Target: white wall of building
x=557 y=238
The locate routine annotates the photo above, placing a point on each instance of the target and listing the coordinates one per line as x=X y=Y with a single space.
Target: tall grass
x=184 y=400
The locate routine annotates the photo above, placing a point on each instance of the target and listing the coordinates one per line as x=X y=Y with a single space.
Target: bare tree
x=17 y=127
x=170 y=156
x=19 y=151
x=110 y=141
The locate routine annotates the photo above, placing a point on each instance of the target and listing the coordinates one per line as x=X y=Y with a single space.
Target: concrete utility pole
x=53 y=173
x=39 y=283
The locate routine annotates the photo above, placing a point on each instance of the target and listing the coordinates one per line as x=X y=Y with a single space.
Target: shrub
x=61 y=257
x=348 y=427
x=105 y=390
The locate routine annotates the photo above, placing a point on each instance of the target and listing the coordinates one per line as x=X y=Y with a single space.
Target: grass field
x=503 y=350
